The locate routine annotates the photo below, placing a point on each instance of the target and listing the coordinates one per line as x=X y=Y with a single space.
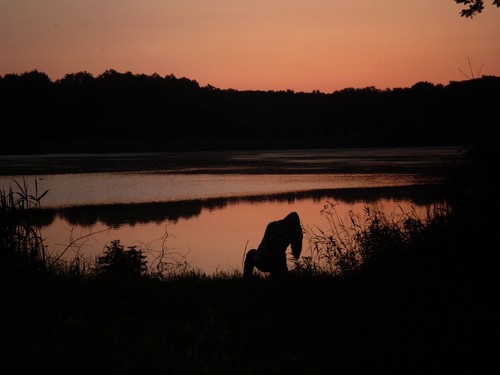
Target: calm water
x=208 y=208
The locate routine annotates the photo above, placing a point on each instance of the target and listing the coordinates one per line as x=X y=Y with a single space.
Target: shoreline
x=413 y=160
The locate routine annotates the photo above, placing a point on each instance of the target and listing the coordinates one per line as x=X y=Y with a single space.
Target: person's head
x=292 y=218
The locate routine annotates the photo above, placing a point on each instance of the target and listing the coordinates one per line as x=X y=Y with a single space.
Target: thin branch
x=74 y=241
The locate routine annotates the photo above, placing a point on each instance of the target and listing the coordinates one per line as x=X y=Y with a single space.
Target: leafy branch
x=474 y=7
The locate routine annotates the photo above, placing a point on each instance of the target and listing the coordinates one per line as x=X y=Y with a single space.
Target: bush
x=118 y=261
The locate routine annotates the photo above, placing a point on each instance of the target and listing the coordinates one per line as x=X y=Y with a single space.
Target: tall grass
x=20 y=240
x=370 y=242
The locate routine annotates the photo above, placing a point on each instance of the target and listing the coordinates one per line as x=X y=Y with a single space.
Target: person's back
x=270 y=256
x=279 y=234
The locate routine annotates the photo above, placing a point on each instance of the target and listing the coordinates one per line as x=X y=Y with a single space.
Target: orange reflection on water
x=217 y=238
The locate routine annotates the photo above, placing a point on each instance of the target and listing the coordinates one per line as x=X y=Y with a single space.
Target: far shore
x=420 y=160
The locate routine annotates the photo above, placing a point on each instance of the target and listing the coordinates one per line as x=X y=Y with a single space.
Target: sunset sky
x=302 y=45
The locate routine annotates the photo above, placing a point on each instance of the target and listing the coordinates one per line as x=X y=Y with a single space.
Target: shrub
x=118 y=261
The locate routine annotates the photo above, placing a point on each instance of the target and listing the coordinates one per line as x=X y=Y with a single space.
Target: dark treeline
x=128 y=112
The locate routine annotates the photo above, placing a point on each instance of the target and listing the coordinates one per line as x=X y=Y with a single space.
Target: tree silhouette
x=123 y=112
x=474 y=7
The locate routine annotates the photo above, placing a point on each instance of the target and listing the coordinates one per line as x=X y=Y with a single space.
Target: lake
x=208 y=208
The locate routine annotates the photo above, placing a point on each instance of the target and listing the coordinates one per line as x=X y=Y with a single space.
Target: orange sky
x=302 y=45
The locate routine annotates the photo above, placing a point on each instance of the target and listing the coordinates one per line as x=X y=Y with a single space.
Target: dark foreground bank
x=227 y=325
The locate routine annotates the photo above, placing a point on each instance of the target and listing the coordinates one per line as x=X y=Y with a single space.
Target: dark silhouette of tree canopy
x=474 y=7
x=125 y=112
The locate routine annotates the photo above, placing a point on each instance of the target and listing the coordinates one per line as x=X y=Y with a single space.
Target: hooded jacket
x=280 y=234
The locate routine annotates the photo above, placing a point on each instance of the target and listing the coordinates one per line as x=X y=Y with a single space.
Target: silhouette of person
x=270 y=256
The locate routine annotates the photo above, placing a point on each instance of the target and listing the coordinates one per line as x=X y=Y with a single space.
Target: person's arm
x=296 y=243
x=264 y=243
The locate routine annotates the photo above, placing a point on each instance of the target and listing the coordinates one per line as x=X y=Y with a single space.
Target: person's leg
x=262 y=261
x=249 y=263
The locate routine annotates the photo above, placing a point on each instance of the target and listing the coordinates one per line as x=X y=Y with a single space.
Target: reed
x=373 y=242
x=20 y=240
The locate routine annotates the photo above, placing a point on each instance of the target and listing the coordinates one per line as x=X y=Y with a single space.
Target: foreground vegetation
x=379 y=295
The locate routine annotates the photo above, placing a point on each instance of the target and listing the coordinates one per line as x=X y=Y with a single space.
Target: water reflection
x=215 y=205
x=213 y=235
x=67 y=190
x=116 y=215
